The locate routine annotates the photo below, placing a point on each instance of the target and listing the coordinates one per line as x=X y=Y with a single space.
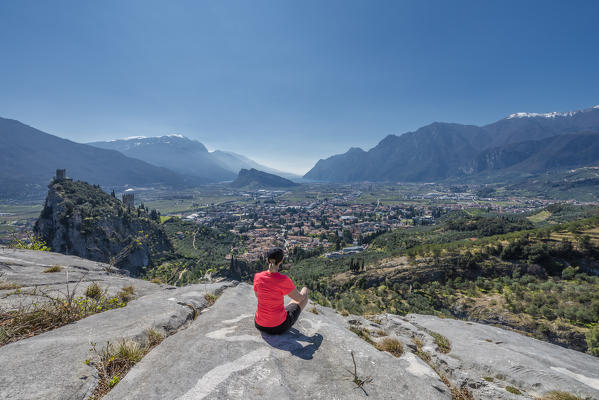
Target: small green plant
x=489 y=378
x=210 y=298
x=113 y=381
x=443 y=344
x=345 y=313
x=313 y=310
x=392 y=346
x=513 y=390
x=55 y=268
x=156 y=280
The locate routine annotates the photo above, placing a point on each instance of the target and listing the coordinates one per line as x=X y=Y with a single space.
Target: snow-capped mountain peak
x=542 y=115
x=554 y=114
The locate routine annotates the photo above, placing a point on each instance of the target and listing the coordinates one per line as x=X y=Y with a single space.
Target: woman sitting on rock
x=270 y=288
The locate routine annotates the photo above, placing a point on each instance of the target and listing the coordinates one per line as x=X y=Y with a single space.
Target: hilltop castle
x=61 y=175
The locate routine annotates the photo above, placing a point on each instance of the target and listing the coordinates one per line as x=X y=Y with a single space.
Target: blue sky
x=287 y=83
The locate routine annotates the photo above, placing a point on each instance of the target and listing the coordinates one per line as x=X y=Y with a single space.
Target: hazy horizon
x=286 y=84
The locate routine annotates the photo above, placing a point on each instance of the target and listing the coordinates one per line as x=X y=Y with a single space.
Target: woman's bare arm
x=297 y=296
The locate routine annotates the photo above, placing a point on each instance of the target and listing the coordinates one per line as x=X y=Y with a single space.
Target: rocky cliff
x=214 y=351
x=83 y=220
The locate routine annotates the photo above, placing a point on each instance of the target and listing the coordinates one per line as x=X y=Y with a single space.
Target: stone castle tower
x=61 y=175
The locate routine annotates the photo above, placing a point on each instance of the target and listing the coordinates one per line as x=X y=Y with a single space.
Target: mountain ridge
x=175 y=152
x=441 y=150
x=31 y=156
x=186 y=156
x=253 y=178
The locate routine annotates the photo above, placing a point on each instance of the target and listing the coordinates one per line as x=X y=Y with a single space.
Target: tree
x=592 y=338
x=155 y=215
x=347 y=236
x=569 y=273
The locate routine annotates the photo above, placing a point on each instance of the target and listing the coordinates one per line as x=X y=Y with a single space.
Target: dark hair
x=276 y=253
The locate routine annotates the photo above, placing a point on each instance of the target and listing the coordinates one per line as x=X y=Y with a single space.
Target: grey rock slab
x=52 y=365
x=26 y=268
x=221 y=355
x=533 y=366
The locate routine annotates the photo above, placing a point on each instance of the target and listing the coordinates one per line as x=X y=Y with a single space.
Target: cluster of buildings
x=336 y=223
x=331 y=226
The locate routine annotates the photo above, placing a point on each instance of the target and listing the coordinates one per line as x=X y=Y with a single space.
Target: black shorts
x=293 y=313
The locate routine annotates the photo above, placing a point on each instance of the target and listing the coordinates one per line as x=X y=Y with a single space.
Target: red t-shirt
x=271 y=289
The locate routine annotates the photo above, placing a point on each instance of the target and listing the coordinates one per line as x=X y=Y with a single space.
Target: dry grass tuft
x=390 y=345
x=55 y=310
x=93 y=291
x=313 y=310
x=55 y=268
x=157 y=281
x=422 y=354
x=154 y=337
x=558 y=395
x=459 y=393
x=127 y=293
x=4 y=285
x=115 y=360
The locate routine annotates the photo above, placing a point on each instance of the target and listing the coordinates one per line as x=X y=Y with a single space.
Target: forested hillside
x=537 y=278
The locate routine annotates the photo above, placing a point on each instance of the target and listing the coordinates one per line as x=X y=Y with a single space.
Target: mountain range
x=525 y=143
x=186 y=156
x=30 y=158
x=518 y=146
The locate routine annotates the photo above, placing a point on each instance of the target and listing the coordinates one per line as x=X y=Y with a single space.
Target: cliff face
x=81 y=219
